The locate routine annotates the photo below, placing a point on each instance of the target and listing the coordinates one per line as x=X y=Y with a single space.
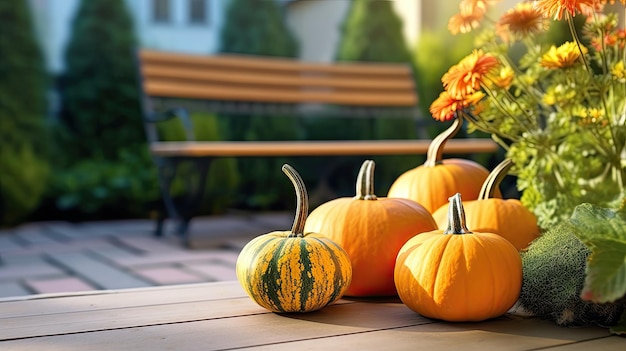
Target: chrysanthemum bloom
x=618 y=72
x=461 y=23
x=520 y=21
x=556 y=8
x=564 y=56
x=465 y=77
x=444 y=108
x=475 y=6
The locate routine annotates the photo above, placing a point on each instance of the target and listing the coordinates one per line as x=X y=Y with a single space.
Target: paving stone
x=178 y=257
x=35 y=268
x=214 y=271
x=150 y=245
x=37 y=237
x=103 y=275
x=10 y=289
x=58 y=247
x=168 y=275
x=57 y=285
x=8 y=243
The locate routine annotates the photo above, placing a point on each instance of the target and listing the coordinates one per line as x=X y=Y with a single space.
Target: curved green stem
x=365 y=182
x=434 y=156
x=302 y=201
x=456 y=216
x=494 y=179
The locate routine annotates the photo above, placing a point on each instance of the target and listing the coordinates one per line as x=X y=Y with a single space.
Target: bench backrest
x=255 y=79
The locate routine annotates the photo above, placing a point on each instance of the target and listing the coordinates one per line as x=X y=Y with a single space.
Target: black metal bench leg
x=195 y=191
x=167 y=170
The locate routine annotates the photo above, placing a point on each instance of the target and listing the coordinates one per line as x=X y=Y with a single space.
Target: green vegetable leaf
x=604 y=232
x=620 y=327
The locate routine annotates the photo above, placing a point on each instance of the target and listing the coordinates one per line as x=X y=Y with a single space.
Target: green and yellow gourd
x=293 y=271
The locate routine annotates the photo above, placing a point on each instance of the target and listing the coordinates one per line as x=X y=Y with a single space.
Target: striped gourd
x=293 y=271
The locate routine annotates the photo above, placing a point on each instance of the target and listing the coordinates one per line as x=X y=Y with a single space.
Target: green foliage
x=99 y=89
x=603 y=230
x=372 y=32
x=554 y=272
x=223 y=178
x=24 y=167
x=123 y=186
x=257 y=27
x=435 y=53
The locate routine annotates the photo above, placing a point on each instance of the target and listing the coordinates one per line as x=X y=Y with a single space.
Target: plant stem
x=302 y=201
x=456 y=216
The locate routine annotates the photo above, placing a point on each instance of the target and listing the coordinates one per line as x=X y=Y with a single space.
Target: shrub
x=24 y=167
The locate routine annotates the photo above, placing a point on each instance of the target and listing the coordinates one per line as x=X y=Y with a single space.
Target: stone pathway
x=53 y=257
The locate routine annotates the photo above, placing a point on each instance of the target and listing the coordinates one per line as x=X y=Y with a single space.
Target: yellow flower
x=564 y=56
x=619 y=72
x=503 y=78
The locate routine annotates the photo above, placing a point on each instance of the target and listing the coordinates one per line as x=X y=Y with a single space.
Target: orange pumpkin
x=371 y=230
x=433 y=182
x=493 y=215
x=457 y=275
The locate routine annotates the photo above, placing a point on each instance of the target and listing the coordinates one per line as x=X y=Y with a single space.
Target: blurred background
x=72 y=143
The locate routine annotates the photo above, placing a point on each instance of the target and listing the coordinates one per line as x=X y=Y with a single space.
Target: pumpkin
x=371 y=230
x=494 y=215
x=431 y=183
x=457 y=275
x=294 y=271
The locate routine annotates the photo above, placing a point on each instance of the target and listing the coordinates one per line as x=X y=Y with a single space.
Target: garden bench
x=174 y=83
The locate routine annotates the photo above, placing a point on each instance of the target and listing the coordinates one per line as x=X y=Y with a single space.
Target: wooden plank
x=353 y=326
x=272 y=64
x=264 y=79
x=609 y=343
x=317 y=148
x=215 y=91
x=49 y=304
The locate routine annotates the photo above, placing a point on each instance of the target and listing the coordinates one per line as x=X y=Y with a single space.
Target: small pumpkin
x=494 y=215
x=456 y=275
x=371 y=230
x=431 y=183
x=294 y=271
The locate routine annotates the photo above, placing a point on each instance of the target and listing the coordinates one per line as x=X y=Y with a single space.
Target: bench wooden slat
x=270 y=64
x=259 y=78
x=315 y=148
x=251 y=94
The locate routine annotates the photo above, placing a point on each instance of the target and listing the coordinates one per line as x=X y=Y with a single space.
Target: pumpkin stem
x=302 y=201
x=456 y=216
x=365 y=182
x=434 y=156
x=494 y=179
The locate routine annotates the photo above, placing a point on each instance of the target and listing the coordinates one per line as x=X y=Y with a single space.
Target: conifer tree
x=258 y=27
x=99 y=89
x=24 y=166
x=372 y=32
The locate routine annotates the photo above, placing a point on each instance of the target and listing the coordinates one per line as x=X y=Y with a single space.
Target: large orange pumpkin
x=493 y=215
x=371 y=230
x=457 y=275
x=437 y=179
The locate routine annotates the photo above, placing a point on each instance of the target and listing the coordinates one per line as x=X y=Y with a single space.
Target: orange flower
x=556 y=8
x=445 y=107
x=461 y=23
x=520 y=21
x=564 y=56
x=465 y=77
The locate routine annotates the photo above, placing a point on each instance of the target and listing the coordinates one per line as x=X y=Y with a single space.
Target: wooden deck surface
x=220 y=316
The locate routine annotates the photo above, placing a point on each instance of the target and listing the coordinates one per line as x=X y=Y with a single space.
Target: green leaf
x=620 y=327
x=605 y=279
x=596 y=222
x=604 y=232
